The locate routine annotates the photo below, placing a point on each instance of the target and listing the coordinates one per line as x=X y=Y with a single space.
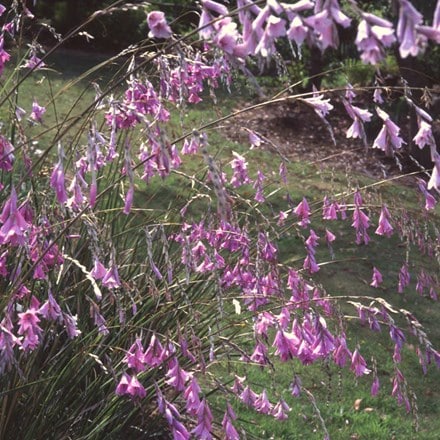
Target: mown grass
x=336 y=392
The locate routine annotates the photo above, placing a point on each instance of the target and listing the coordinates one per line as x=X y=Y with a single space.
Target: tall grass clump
x=149 y=269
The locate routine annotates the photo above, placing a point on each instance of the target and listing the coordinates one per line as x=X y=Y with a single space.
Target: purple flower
x=373 y=35
x=297 y=31
x=204 y=422
x=34 y=63
x=15 y=227
x=280 y=410
x=404 y=278
x=375 y=386
x=384 y=227
x=191 y=396
x=388 y=138
x=134 y=358
x=240 y=175
x=111 y=278
x=321 y=106
x=176 y=376
x=247 y=396
x=434 y=181
x=37 y=112
x=50 y=309
x=377 y=278
x=57 y=182
x=28 y=326
x=302 y=210
x=228 y=428
x=296 y=386
x=359 y=116
x=6 y=154
x=4 y=56
x=262 y=403
x=358 y=364
x=130 y=385
x=158 y=25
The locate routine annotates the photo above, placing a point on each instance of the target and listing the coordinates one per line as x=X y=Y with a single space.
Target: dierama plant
x=115 y=315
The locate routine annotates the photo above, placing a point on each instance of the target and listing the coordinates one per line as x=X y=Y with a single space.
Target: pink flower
x=6 y=154
x=191 y=396
x=374 y=33
x=134 y=358
x=375 y=386
x=434 y=181
x=37 y=112
x=297 y=31
x=228 y=428
x=34 y=63
x=247 y=396
x=388 y=138
x=262 y=403
x=377 y=278
x=240 y=175
x=57 y=182
x=358 y=364
x=204 y=422
x=176 y=376
x=28 y=326
x=281 y=410
x=296 y=386
x=4 y=56
x=158 y=25
x=130 y=385
x=359 y=116
x=384 y=227
x=111 y=278
x=302 y=210
x=15 y=227
x=50 y=309
x=404 y=278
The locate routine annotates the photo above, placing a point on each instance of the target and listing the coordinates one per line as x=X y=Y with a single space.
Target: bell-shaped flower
x=384 y=227
x=15 y=227
x=377 y=278
x=158 y=25
x=358 y=364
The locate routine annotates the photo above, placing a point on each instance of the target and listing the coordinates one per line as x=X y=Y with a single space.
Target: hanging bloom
x=404 y=278
x=57 y=182
x=321 y=106
x=377 y=278
x=134 y=358
x=176 y=376
x=28 y=326
x=4 y=56
x=374 y=33
x=388 y=138
x=228 y=428
x=296 y=386
x=280 y=410
x=37 y=112
x=204 y=422
x=191 y=396
x=50 y=309
x=240 y=175
x=297 y=31
x=302 y=210
x=358 y=364
x=430 y=201
x=262 y=403
x=359 y=116
x=384 y=227
x=6 y=154
x=34 y=63
x=15 y=227
x=434 y=181
x=375 y=386
x=158 y=25
x=130 y=385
